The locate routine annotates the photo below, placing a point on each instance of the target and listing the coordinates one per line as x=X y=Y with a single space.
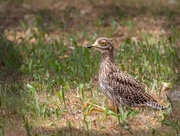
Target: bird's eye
x=103 y=43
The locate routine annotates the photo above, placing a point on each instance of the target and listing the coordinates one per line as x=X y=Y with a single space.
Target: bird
x=121 y=88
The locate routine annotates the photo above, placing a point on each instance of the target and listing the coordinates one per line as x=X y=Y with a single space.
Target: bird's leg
x=115 y=109
x=112 y=106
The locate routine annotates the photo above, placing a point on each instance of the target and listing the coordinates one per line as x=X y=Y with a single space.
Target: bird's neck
x=108 y=56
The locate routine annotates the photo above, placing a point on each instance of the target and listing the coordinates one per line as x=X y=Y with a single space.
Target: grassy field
x=47 y=74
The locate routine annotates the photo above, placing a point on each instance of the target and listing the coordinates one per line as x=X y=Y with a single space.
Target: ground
x=47 y=74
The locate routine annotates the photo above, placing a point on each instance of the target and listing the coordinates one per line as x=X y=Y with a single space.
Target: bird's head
x=102 y=44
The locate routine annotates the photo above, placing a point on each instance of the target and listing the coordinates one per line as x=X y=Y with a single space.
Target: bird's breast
x=103 y=71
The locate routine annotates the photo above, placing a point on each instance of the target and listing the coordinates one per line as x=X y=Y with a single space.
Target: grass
x=47 y=74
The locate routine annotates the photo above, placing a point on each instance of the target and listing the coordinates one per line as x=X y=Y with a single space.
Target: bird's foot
x=90 y=107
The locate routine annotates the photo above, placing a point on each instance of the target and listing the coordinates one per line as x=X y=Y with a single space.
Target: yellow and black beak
x=91 y=46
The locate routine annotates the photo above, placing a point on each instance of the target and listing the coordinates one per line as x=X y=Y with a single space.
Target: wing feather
x=128 y=89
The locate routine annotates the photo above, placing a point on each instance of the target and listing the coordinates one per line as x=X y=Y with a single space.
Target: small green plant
x=1 y=130
x=174 y=124
x=88 y=124
x=26 y=125
x=58 y=112
x=124 y=115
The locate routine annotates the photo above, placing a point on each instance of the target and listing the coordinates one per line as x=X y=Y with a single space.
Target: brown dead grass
x=74 y=113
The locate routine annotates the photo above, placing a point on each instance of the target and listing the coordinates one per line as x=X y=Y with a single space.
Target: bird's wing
x=128 y=89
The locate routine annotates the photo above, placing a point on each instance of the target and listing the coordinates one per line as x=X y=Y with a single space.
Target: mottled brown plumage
x=119 y=87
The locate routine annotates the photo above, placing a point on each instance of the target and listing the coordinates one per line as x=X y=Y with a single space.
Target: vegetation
x=47 y=74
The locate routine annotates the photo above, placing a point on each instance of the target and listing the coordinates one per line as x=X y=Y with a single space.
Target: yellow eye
x=103 y=43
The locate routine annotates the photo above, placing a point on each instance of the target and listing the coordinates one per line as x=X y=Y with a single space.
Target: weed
x=1 y=131
x=174 y=124
x=26 y=125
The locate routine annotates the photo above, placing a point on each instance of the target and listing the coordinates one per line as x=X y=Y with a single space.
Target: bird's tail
x=156 y=105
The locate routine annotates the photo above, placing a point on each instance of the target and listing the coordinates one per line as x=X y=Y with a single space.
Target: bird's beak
x=91 y=45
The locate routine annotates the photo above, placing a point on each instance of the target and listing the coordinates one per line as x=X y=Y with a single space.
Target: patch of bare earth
x=74 y=15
